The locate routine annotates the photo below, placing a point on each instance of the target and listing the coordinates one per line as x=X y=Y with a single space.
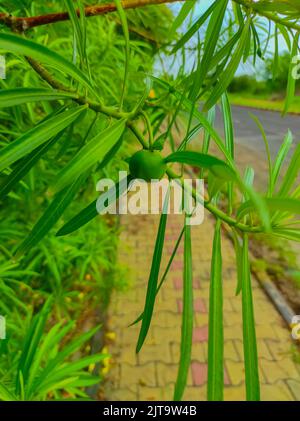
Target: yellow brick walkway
x=151 y=374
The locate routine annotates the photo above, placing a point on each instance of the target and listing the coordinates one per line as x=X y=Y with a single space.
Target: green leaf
x=291 y=79
x=25 y=47
x=6 y=395
x=13 y=97
x=238 y=259
x=282 y=154
x=249 y=335
x=229 y=141
x=215 y=383
x=24 y=166
x=291 y=173
x=163 y=278
x=70 y=6
x=52 y=214
x=219 y=168
x=212 y=36
x=232 y=67
x=187 y=318
x=194 y=28
x=90 y=212
x=124 y=24
x=182 y=15
x=94 y=151
x=199 y=116
x=37 y=136
x=281 y=204
x=31 y=342
x=153 y=278
x=264 y=136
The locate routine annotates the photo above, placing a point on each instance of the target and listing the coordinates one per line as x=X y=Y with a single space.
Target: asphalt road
x=276 y=127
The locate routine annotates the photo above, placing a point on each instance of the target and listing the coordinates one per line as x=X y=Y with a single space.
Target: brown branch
x=24 y=23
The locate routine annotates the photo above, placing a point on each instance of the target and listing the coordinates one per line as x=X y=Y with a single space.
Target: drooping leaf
x=215 y=382
x=49 y=218
x=91 y=212
x=25 y=47
x=219 y=168
x=249 y=335
x=94 y=151
x=24 y=166
x=187 y=318
x=153 y=277
x=230 y=70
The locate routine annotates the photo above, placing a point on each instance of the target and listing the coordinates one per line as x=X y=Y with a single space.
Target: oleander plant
x=84 y=84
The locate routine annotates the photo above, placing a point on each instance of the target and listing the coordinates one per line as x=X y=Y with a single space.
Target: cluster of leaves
x=112 y=83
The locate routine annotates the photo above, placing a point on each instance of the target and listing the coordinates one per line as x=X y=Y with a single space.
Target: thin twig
x=22 y=24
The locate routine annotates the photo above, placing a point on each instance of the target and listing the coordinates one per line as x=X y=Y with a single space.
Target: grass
x=264 y=103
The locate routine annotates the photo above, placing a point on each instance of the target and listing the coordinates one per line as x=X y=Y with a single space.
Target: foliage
x=106 y=102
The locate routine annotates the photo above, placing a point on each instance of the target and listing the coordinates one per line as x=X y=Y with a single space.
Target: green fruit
x=147 y=165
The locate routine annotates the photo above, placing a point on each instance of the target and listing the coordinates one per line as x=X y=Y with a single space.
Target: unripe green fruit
x=147 y=165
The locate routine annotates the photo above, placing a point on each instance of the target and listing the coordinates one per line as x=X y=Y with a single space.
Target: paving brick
x=294 y=386
x=235 y=393
x=195 y=394
x=200 y=334
x=167 y=374
x=155 y=393
x=138 y=375
x=276 y=392
x=279 y=370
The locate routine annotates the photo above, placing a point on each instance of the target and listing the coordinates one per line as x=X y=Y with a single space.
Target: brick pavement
x=151 y=374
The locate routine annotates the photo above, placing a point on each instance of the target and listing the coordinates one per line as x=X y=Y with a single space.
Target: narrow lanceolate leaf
x=153 y=278
x=124 y=24
x=229 y=141
x=52 y=214
x=291 y=173
x=182 y=15
x=195 y=27
x=291 y=79
x=280 y=204
x=163 y=278
x=37 y=136
x=282 y=154
x=238 y=259
x=215 y=383
x=219 y=168
x=230 y=70
x=249 y=335
x=24 y=166
x=212 y=36
x=187 y=318
x=12 y=97
x=94 y=151
x=70 y=6
x=90 y=212
x=25 y=47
